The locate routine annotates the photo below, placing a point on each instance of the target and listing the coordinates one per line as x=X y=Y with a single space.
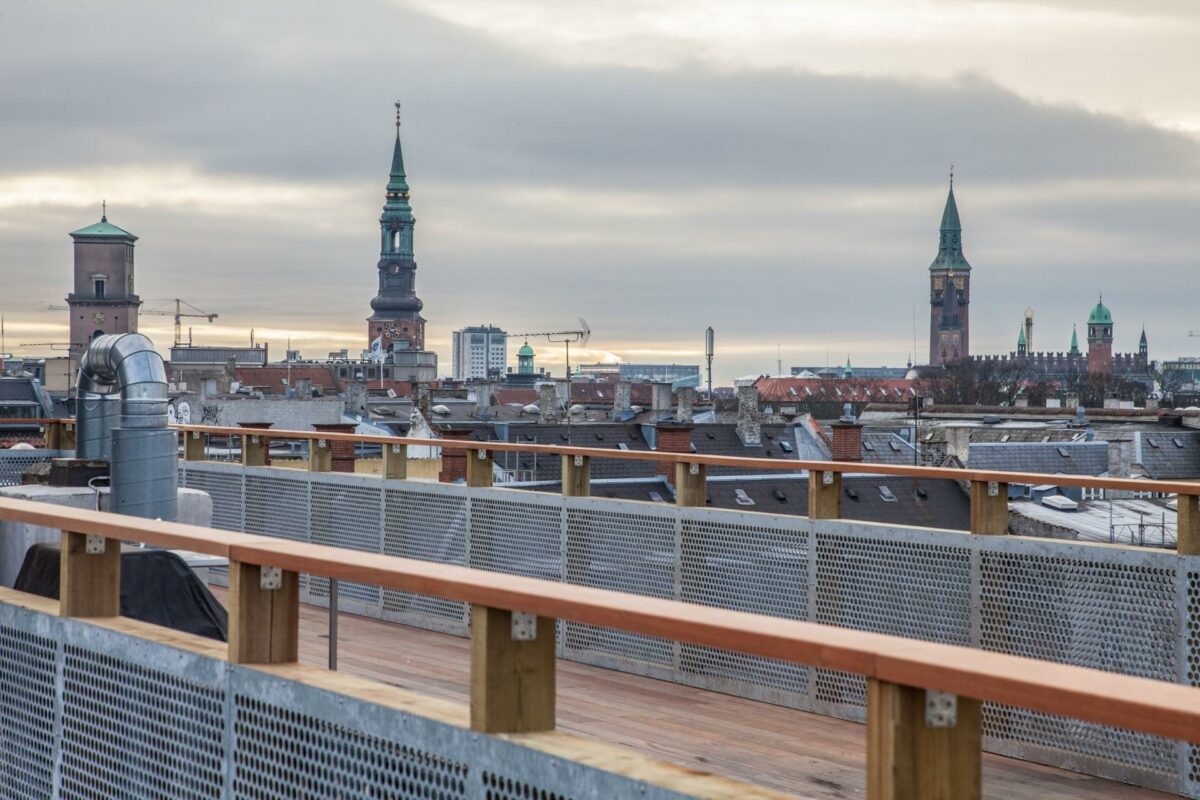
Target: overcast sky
x=775 y=169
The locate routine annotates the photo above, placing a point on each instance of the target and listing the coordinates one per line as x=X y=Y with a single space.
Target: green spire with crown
x=1021 y=338
x=1074 y=340
x=950 y=255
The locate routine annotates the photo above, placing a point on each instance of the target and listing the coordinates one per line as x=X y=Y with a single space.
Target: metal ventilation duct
x=141 y=448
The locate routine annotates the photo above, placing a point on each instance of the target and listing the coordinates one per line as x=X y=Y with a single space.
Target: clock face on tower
x=98 y=318
x=393 y=331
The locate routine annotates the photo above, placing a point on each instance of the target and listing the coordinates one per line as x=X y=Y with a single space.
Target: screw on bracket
x=94 y=545
x=524 y=626
x=941 y=709
x=270 y=578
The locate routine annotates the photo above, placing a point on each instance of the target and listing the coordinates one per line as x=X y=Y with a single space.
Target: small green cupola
x=525 y=360
x=1100 y=314
x=103 y=229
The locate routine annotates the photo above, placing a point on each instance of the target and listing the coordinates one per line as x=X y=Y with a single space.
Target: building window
x=98 y=288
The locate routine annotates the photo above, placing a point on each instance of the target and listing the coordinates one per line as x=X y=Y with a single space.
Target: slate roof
x=1170 y=455
x=601 y=435
x=1067 y=458
x=885 y=448
x=944 y=504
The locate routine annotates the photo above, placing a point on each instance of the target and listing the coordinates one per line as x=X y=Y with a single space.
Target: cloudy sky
x=775 y=169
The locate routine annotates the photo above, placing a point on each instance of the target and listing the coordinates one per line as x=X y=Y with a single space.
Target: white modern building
x=480 y=352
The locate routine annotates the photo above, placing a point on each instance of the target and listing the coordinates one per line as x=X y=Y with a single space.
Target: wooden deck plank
x=779 y=748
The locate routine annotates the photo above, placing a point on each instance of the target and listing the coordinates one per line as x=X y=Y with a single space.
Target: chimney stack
x=660 y=399
x=749 y=420
x=421 y=399
x=622 y=399
x=687 y=399
x=671 y=436
x=847 y=436
x=454 y=462
x=547 y=402
x=483 y=399
x=1120 y=465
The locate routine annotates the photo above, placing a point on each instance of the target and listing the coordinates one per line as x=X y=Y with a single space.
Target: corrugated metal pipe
x=140 y=447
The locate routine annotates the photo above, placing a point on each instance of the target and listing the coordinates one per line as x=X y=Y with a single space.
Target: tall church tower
x=397 y=318
x=1100 y=340
x=103 y=300
x=949 y=291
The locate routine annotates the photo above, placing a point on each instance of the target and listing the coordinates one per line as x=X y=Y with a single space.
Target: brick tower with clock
x=949 y=291
x=103 y=300
x=397 y=319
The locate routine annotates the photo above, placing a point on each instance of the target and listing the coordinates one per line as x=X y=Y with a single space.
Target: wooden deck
x=804 y=754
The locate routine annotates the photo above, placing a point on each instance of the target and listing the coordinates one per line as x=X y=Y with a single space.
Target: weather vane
x=397 y=117
x=104 y=211
x=951 y=176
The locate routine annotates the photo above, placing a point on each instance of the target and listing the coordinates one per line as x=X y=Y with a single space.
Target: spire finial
x=397 y=119
x=104 y=211
x=951 y=176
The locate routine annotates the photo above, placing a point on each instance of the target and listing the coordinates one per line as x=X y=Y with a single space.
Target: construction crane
x=179 y=313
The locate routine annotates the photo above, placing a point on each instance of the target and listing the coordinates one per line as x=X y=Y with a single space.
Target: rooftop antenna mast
x=778 y=360
x=580 y=337
x=708 y=354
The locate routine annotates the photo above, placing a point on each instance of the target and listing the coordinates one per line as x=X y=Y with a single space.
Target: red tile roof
x=857 y=390
x=275 y=379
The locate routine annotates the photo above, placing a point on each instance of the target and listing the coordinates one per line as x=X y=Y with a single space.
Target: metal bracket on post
x=481 y=454
x=693 y=469
x=993 y=489
x=524 y=626
x=270 y=578
x=827 y=478
x=320 y=444
x=195 y=434
x=579 y=461
x=93 y=545
x=941 y=709
x=395 y=448
x=253 y=440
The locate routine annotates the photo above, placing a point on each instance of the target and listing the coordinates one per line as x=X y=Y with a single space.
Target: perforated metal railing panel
x=132 y=719
x=13 y=463
x=1124 y=610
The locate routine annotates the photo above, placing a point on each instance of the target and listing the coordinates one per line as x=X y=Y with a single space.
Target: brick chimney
x=749 y=419
x=671 y=436
x=622 y=399
x=342 y=453
x=847 y=436
x=454 y=461
x=547 y=402
x=687 y=399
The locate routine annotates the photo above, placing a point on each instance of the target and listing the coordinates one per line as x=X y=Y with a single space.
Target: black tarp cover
x=157 y=586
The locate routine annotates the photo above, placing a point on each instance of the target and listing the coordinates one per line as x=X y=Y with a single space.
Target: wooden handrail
x=1139 y=704
x=765 y=464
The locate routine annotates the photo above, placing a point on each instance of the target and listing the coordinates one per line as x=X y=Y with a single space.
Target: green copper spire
x=848 y=372
x=1074 y=340
x=950 y=255
x=1021 y=339
x=398 y=183
x=1143 y=344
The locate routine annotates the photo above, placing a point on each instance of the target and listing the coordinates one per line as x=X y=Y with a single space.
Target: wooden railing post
x=395 y=461
x=254 y=450
x=576 y=476
x=479 y=467
x=989 y=508
x=194 y=446
x=60 y=434
x=922 y=744
x=320 y=456
x=1188 y=524
x=824 y=494
x=512 y=671
x=691 y=484
x=89 y=577
x=264 y=614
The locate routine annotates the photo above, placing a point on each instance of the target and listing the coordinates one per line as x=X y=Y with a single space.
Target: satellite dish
x=184 y=412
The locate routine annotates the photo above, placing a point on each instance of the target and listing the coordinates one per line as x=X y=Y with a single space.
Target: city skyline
x=265 y=216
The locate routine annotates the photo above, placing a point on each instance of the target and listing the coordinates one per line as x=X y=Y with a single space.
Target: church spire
x=397 y=180
x=950 y=255
x=1074 y=340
